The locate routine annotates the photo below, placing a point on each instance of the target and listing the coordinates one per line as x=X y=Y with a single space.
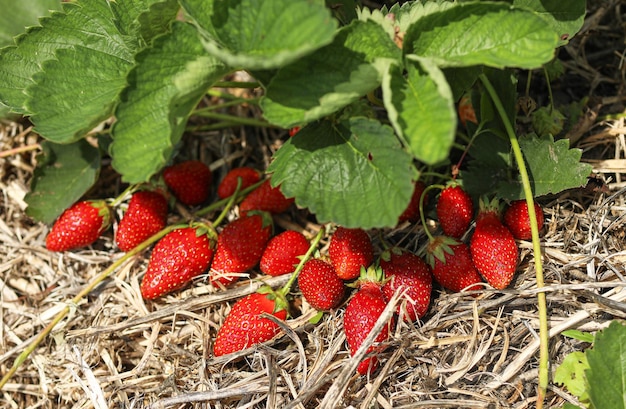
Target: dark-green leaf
x=332 y=77
x=63 y=174
x=262 y=34
x=354 y=173
x=606 y=375
x=482 y=33
x=169 y=80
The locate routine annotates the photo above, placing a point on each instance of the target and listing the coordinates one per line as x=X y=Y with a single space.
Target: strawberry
x=320 y=285
x=408 y=272
x=493 y=248
x=228 y=185
x=282 y=253
x=240 y=246
x=293 y=131
x=190 y=181
x=80 y=225
x=146 y=215
x=517 y=220
x=412 y=212
x=451 y=263
x=349 y=250
x=362 y=312
x=266 y=198
x=455 y=210
x=244 y=327
x=176 y=259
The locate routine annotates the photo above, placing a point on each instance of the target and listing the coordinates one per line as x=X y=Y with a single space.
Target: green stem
x=287 y=287
x=236 y=84
x=233 y=102
x=223 y=202
x=421 y=206
x=544 y=337
x=233 y=118
x=83 y=293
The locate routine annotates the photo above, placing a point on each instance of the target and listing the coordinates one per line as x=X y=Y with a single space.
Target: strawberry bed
x=116 y=348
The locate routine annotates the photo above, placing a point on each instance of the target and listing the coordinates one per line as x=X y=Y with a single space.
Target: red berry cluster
x=492 y=253
x=234 y=250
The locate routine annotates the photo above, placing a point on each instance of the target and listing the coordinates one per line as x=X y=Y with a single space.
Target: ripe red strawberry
x=266 y=198
x=176 y=259
x=412 y=212
x=240 y=246
x=228 y=185
x=80 y=225
x=293 y=131
x=362 y=312
x=517 y=220
x=349 y=250
x=320 y=285
x=244 y=327
x=451 y=263
x=282 y=253
x=190 y=181
x=493 y=247
x=408 y=272
x=455 y=211
x=146 y=215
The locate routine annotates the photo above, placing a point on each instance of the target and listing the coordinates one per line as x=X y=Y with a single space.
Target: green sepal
x=316 y=318
x=281 y=301
x=438 y=248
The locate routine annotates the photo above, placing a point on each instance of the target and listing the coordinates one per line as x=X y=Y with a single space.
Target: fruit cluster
x=352 y=274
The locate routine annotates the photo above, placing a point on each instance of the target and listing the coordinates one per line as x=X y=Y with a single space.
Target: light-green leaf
x=262 y=34
x=420 y=107
x=332 y=77
x=354 y=172
x=169 y=80
x=606 y=375
x=482 y=33
x=22 y=14
x=63 y=174
x=571 y=374
x=565 y=18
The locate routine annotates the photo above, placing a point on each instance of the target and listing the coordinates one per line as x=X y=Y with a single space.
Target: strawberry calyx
x=489 y=208
x=104 y=211
x=438 y=247
x=372 y=275
x=205 y=229
x=281 y=301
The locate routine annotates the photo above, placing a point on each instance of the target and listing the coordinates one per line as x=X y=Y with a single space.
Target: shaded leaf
x=421 y=110
x=261 y=34
x=332 y=77
x=63 y=174
x=354 y=173
x=480 y=33
x=168 y=82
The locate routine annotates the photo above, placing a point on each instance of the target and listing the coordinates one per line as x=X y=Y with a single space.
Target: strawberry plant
x=415 y=60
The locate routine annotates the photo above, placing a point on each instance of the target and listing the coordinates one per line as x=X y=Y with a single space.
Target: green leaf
x=482 y=33
x=489 y=166
x=79 y=88
x=420 y=108
x=332 y=77
x=63 y=174
x=565 y=18
x=22 y=14
x=262 y=34
x=168 y=81
x=579 y=335
x=571 y=373
x=607 y=368
x=354 y=172
x=144 y=20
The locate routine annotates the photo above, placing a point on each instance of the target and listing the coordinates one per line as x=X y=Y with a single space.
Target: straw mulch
x=115 y=350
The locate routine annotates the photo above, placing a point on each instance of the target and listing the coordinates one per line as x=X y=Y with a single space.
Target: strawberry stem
x=220 y=203
x=229 y=203
x=544 y=336
x=287 y=287
x=83 y=293
x=421 y=206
